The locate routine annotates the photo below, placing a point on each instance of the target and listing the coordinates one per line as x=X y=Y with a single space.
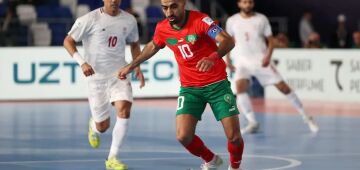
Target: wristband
x=78 y=59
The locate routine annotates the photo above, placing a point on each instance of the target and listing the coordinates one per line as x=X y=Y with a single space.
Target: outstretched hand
x=123 y=72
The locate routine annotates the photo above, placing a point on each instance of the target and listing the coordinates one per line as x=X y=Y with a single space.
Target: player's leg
x=100 y=108
x=295 y=101
x=189 y=110
x=118 y=134
x=235 y=142
x=121 y=98
x=242 y=76
x=185 y=134
x=223 y=104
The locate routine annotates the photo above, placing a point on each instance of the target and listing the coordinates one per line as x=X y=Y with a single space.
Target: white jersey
x=250 y=38
x=104 y=38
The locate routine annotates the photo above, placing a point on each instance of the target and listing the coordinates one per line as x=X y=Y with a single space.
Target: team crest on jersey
x=208 y=20
x=191 y=38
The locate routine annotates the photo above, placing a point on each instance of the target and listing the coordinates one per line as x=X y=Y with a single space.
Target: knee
x=235 y=138
x=284 y=88
x=102 y=127
x=123 y=113
x=183 y=138
x=242 y=86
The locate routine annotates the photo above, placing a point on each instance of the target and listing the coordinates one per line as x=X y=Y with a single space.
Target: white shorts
x=102 y=93
x=265 y=75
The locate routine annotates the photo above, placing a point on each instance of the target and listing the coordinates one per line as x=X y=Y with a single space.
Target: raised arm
x=149 y=50
x=226 y=43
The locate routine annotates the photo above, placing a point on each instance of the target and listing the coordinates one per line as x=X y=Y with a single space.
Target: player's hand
x=123 y=72
x=205 y=64
x=231 y=67
x=266 y=61
x=140 y=76
x=87 y=69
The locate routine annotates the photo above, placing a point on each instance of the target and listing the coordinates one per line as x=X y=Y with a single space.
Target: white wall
x=49 y=73
x=324 y=75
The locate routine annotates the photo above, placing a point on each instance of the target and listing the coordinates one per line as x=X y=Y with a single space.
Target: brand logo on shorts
x=232 y=109
x=228 y=98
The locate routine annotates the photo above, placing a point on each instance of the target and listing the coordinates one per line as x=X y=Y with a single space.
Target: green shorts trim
x=193 y=100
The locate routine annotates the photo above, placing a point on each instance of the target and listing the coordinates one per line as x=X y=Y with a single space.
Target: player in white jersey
x=104 y=33
x=252 y=57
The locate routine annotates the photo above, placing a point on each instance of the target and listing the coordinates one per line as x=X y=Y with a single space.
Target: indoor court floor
x=53 y=136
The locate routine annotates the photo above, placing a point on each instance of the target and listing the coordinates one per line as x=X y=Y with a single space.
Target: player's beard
x=173 y=19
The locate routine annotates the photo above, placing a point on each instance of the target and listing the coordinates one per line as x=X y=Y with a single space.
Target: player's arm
x=267 y=33
x=135 y=51
x=269 y=51
x=229 y=63
x=70 y=46
x=225 y=44
x=149 y=50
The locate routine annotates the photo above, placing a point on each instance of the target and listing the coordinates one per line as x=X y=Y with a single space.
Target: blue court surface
x=53 y=136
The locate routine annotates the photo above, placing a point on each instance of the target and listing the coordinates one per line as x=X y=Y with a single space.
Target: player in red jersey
x=192 y=36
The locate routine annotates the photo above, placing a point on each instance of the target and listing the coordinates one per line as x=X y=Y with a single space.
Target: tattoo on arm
x=149 y=50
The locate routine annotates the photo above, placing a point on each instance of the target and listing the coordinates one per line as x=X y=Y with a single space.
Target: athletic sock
x=236 y=153
x=244 y=103
x=295 y=101
x=197 y=148
x=118 y=136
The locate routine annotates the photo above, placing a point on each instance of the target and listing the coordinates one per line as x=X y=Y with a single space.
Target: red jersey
x=190 y=44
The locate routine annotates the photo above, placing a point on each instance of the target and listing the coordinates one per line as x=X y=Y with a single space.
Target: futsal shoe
x=115 y=164
x=314 y=128
x=251 y=127
x=94 y=138
x=213 y=164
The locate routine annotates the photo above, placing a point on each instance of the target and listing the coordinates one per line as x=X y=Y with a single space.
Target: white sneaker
x=213 y=164
x=314 y=128
x=230 y=168
x=251 y=127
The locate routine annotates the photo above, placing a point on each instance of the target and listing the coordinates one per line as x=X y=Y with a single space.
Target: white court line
x=292 y=162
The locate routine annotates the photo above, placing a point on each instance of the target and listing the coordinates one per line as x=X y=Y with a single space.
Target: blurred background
x=296 y=23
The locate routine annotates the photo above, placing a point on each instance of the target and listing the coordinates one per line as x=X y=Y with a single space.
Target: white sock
x=118 y=135
x=295 y=101
x=93 y=126
x=244 y=103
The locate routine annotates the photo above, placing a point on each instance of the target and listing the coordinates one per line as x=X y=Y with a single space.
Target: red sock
x=197 y=148
x=236 y=153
